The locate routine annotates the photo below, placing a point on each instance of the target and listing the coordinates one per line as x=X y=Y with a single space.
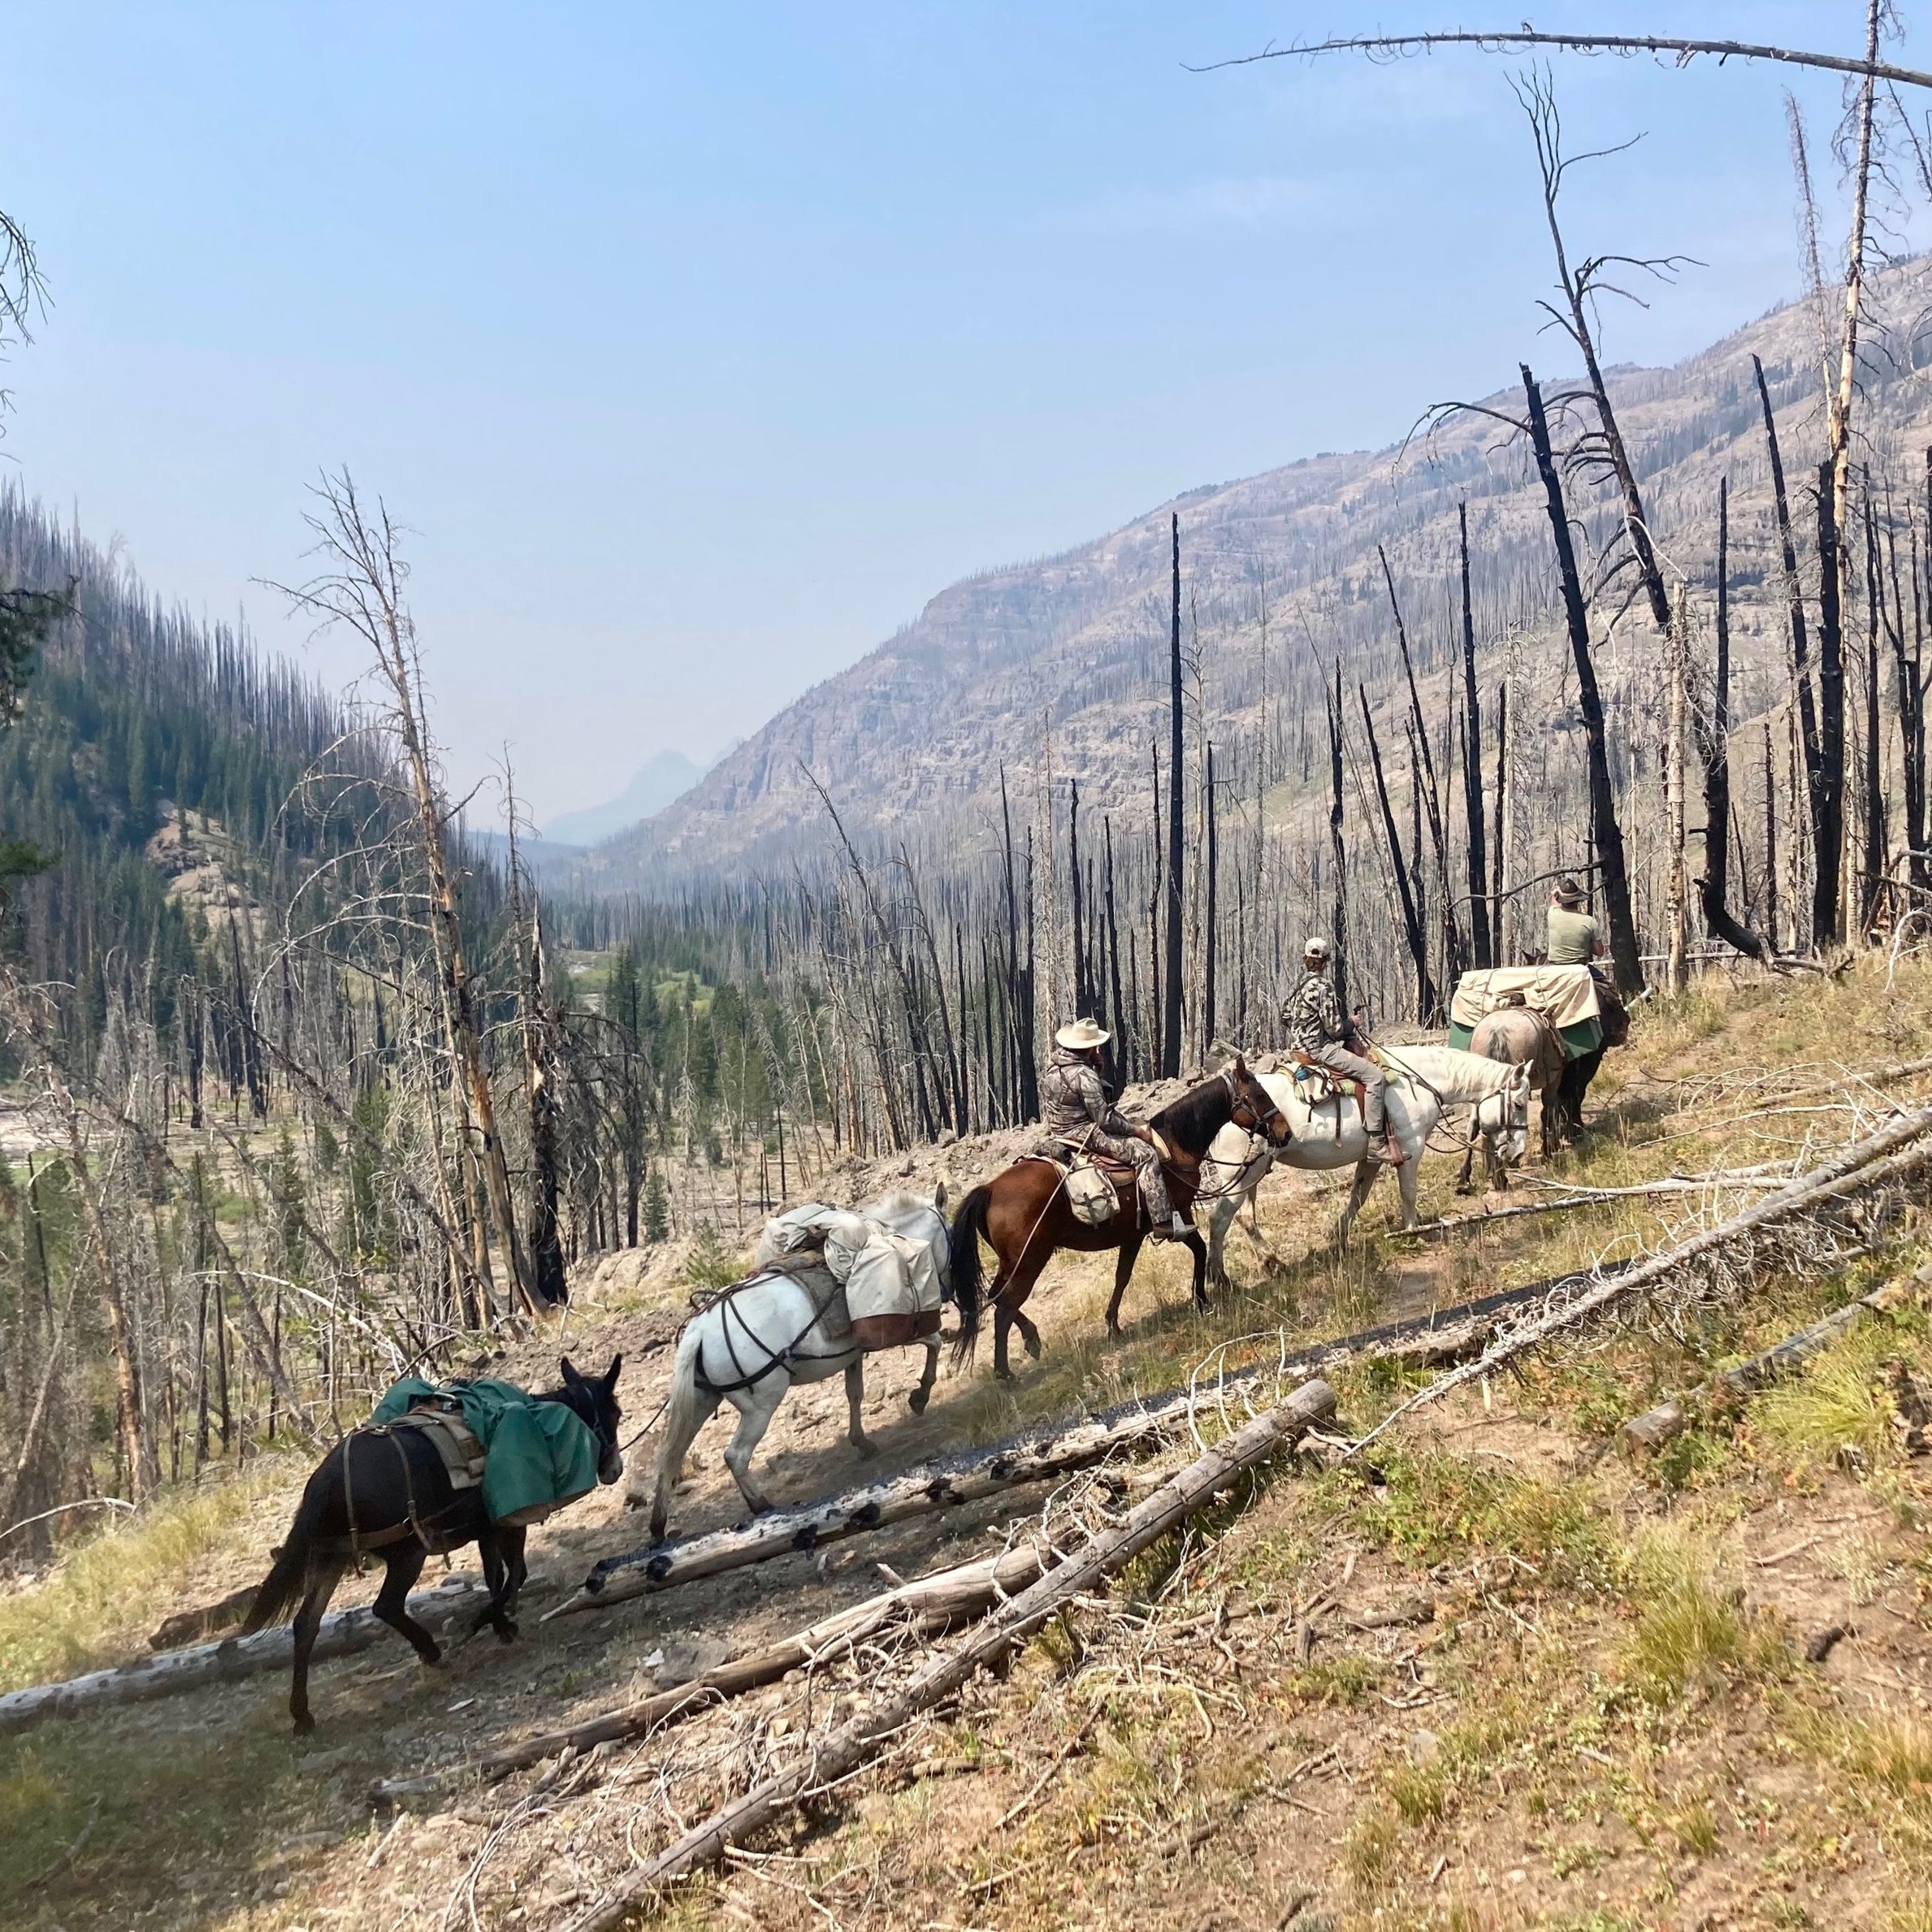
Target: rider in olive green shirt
x=1574 y=939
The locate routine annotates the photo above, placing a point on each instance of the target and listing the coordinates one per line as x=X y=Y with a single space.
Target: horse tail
x=686 y=1410
x=969 y=1225
x=288 y=1576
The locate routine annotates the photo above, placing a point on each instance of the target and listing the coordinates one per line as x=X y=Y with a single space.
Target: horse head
x=1505 y=1115
x=593 y=1400
x=1254 y=1109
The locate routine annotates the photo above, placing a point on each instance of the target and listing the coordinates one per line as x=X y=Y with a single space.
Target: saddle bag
x=1090 y=1194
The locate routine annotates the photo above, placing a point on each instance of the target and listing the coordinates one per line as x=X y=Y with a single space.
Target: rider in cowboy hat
x=1574 y=938
x=1312 y=1017
x=1076 y=1111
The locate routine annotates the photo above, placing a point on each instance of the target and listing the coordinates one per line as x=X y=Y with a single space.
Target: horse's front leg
x=923 y=1394
x=1199 y=1249
x=496 y=1574
x=755 y=1407
x=1220 y=1218
x=1469 y=1156
x=855 y=1403
x=1405 y=1180
x=1130 y=1250
x=1365 y=1170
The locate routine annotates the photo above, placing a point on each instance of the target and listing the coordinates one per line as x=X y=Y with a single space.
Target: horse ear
x=1241 y=1066
x=610 y=1374
x=939 y=1199
x=571 y=1378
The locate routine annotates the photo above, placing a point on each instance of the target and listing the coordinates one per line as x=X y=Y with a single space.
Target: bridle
x=1257 y=1122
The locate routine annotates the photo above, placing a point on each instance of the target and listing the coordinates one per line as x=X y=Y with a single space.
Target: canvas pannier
x=1090 y=1194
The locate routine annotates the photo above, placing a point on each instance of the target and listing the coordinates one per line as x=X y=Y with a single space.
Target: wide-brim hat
x=1081 y=1035
x=1569 y=893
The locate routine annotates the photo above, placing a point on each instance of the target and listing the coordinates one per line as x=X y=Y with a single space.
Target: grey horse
x=1517 y=1035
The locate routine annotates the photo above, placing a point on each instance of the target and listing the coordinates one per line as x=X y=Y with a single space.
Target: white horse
x=757 y=1339
x=1424 y=1083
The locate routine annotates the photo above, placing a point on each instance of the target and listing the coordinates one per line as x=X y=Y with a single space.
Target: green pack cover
x=1579 y=1037
x=537 y=1456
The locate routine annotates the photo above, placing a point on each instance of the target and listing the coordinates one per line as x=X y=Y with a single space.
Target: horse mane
x=1187 y=1116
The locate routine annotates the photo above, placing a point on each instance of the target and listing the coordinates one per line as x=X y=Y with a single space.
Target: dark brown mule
x=1024 y=1214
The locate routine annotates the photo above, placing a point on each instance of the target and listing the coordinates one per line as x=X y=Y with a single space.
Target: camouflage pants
x=1375 y=1083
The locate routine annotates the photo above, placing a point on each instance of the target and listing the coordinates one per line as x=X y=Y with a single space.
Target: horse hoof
x=433 y=1660
x=506 y=1630
x=1002 y=1373
x=1032 y=1346
x=305 y=1725
x=917 y=1400
x=866 y=1447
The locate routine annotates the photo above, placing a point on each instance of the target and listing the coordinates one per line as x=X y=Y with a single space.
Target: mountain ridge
x=1060 y=663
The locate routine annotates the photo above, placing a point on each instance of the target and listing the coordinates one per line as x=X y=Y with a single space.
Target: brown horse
x=1024 y=1215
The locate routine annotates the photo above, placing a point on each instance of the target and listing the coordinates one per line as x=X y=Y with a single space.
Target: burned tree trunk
x=1426 y=1000
x=1713 y=886
x=1606 y=835
x=1799 y=667
x=1827 y=897
x=1338 y=856
x=1170 y=1065
x=1424 y=768
x=1481 y=940
x=1211 y=918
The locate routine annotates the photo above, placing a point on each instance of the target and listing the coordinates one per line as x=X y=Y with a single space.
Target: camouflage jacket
x=1311 y=1014
x=1073 y=1099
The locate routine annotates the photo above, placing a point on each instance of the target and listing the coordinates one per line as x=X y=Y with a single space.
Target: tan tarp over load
x=1566 y=994
x=890 y=1280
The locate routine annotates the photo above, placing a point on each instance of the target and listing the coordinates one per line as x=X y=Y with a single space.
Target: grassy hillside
x=1539 y=1686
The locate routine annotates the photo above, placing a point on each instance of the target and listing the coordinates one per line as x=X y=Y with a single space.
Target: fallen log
x=342 y=1633
x=1426 y=1341
x=206 y=1620
x=1899 y=1153
x=1644 y=1435
x=854 y=1744
x=926 y=1605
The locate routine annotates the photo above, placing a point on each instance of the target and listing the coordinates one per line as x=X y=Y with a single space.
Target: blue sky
x=698 y=346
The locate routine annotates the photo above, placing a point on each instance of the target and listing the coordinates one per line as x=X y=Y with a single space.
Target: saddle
x=1326 y=1083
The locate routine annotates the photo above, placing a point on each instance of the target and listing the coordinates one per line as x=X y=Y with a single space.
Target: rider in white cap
x=1075 y=1110
x=1312 y=1017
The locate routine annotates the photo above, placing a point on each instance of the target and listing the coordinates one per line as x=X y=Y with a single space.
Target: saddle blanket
x=536 y=1455
x=1566 y=996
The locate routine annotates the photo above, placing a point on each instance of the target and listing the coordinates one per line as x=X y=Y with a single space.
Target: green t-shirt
x=1573 y=937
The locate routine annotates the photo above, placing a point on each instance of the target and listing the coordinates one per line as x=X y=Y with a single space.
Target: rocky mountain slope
x=1064 y=657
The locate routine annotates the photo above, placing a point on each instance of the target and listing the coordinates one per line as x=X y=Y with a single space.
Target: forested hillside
x=136 y=719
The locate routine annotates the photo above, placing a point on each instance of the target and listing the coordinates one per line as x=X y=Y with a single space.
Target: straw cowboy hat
x=1569 y=893
x=1082 y=1036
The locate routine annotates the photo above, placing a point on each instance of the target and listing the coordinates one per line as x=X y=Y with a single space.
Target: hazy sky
x=699 y=346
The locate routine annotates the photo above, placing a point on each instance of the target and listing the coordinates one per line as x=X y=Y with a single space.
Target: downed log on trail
x=856 y=1743
x=1897 y=1154
x=1424 y=1342
x=342 y=1632
x=926 y=1605
x=1644 y=1435
x=917 y=1492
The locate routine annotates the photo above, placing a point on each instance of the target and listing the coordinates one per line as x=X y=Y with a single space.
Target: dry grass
x=1837 y=1409
x=1690 y=1630
x=97 y=1607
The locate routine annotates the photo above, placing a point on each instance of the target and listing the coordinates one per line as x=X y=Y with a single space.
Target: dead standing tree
x=362 y=588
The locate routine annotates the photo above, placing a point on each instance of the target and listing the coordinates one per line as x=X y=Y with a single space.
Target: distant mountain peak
x=664 y=778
